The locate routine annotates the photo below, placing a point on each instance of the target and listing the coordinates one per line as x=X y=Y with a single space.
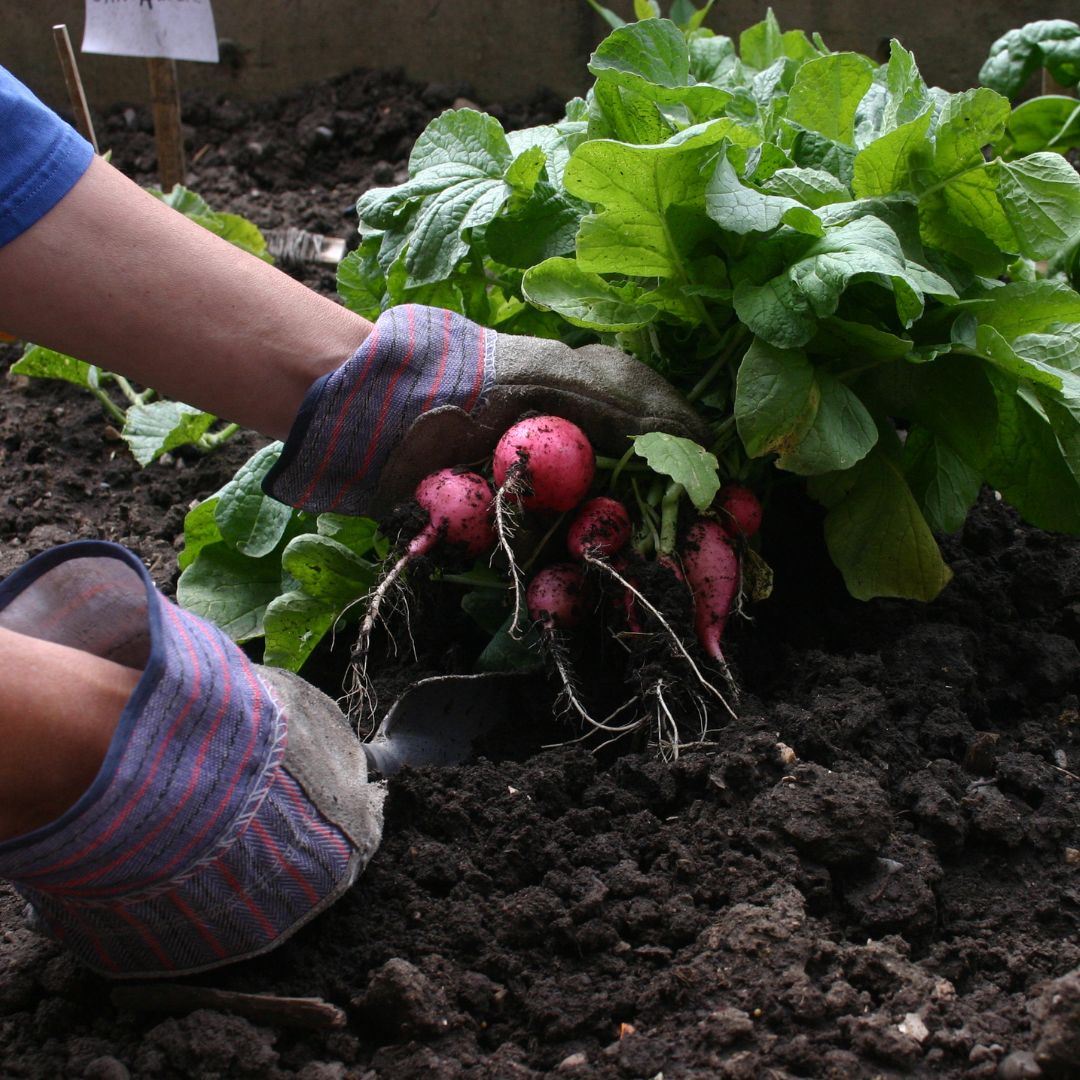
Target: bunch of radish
x=544 y=469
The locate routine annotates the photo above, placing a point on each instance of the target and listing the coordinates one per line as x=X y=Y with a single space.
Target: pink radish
x=556 y=602
x=459 y=505
x=712 y=569
x=739 y=509
x=601 y=529
x=549 y=459
x=555 y=597
x=541 y=463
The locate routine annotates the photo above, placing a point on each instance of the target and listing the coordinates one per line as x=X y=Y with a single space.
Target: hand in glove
x=232 y=805
x=430 y=389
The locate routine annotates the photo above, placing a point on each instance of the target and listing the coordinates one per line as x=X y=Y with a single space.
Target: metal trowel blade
x=438 y=720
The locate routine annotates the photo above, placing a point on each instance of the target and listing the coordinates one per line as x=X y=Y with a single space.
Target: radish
x=541 y=463
x=712 y=569
x=555 y=597
x=548 y=460
x=459 y=506
x=601 y=529
x=739 y=509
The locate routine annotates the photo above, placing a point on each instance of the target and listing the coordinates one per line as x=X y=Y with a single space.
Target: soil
x=875 y=873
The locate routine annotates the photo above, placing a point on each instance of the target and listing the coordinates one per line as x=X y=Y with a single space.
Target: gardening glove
x=430 y=389
x=232 y=805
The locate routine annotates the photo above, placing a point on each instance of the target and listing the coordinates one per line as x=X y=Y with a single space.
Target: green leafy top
x=840 y=264
x=1050 y=43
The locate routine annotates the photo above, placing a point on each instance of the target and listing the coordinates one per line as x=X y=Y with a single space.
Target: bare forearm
x=59 y=707
x=116 y=278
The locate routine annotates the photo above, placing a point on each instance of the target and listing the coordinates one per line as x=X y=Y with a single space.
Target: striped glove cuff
x=416 y=359
x=195 y=845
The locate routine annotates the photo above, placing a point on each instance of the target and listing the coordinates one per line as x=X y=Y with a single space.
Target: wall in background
x=504 y=49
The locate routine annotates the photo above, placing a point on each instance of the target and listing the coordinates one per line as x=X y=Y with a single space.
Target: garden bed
x=875 y=873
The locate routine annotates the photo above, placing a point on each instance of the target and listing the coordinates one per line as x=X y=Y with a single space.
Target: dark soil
x=876 y=873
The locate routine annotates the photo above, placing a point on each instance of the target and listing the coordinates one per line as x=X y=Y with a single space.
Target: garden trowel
x=438 y=721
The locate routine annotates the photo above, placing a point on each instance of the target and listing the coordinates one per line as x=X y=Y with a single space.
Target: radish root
x=506 y=522
x=607 y=568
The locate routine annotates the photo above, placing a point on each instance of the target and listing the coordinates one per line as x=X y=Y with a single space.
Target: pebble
x=912 y=1025
x=1019 y=1065
x=574 y=1061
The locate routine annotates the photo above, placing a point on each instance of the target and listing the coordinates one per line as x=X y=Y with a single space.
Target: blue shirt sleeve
x=41 y=158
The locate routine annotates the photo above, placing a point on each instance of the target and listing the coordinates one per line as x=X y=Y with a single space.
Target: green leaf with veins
x=712 y=59
x=1028 y=466
x=900 y=160
x=544 y=227
x=785 y=308
x=810 y=419
x=764 y=43
x=741 y=209
x=42 y=363
x=1040 y=195
x=811 y=187
x=327 y=570
x=1059 y=349
x=908 y=94
x=1024 y=307
x=152 y=429
x=294 y=623
x=230 y=589
x=944 y=485
x=557 y=141
x=684 y=461
x=813 y=151
x=967 y=122
x=360 y=282
x=200 y=529
x=1016 y=56
x=651 y=58
x=619 y=113
x=1048 y=122
x=585 y=299
x=827 y=92
x=990 y=345
x=250 y=520
x=359 y=534
x=458 y=170
x=637 y=186
x=877 y=535
x=952 y=397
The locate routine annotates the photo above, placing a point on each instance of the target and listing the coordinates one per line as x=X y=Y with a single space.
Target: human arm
x=117 y=278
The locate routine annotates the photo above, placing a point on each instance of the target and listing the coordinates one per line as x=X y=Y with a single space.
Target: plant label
x=173 y=29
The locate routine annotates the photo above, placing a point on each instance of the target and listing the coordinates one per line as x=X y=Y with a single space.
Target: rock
x=1019 y=1065
x=913 y=1027
x=572 y=1062
x=1057 y=1025
x=402 y=1003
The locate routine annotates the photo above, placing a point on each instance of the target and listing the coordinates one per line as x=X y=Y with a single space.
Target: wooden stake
x=74 y=83
x=312 y=1013
x=165 y=99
